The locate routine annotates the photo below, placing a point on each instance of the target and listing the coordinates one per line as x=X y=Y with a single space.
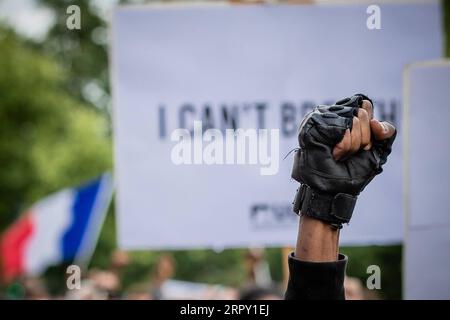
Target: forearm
x=316 y=241
x=316 y=269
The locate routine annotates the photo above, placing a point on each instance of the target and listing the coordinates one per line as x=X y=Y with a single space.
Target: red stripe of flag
x=12 y=247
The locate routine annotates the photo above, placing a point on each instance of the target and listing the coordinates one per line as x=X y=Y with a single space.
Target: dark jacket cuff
x=316 y=280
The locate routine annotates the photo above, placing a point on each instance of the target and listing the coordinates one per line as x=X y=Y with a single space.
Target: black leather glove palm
x=330 y=188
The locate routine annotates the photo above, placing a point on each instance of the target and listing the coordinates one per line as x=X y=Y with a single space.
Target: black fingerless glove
x=329 y=188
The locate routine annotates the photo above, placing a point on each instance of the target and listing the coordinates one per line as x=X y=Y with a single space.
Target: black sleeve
x=316 y=280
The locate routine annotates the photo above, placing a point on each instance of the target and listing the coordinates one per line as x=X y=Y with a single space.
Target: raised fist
x=342 y=148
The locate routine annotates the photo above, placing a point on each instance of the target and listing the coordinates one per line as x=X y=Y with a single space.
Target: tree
x=82 y=53
x=48 y=140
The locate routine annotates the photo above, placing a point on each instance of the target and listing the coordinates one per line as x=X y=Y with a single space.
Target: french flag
x=62 y=227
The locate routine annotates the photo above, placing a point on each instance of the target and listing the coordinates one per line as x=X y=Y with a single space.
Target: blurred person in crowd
x=257 y=268
x=119 y=261
x=138 y=295
x=103 y=284
x=164 y=270
x=97 y=285
x=35 y=289
x=107 y=282
x=186 y=290
x=138 y=292
x=88 y=291
x=165 y=287
x=354 y=289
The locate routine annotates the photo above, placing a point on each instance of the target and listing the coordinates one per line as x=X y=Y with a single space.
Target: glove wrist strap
x=333 y=209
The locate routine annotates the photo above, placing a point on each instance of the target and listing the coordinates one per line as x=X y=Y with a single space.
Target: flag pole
x=89 y=243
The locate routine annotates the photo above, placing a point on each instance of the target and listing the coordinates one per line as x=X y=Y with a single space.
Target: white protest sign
x=248 y=67
x=427 y=174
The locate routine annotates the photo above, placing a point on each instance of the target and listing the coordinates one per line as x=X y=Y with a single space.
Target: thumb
x=381 y=130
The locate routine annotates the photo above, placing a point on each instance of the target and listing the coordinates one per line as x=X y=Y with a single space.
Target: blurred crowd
x=107 y=284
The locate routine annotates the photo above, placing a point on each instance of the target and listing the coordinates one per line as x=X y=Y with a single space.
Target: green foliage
x=388 y=258
x=446 y=27
x=82 y=53
x=48 y=140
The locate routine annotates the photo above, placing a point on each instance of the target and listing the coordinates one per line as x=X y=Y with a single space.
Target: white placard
x=263 y=66
x=427 y=181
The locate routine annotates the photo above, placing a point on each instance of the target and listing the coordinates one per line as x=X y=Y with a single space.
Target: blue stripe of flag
x=82 y=211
